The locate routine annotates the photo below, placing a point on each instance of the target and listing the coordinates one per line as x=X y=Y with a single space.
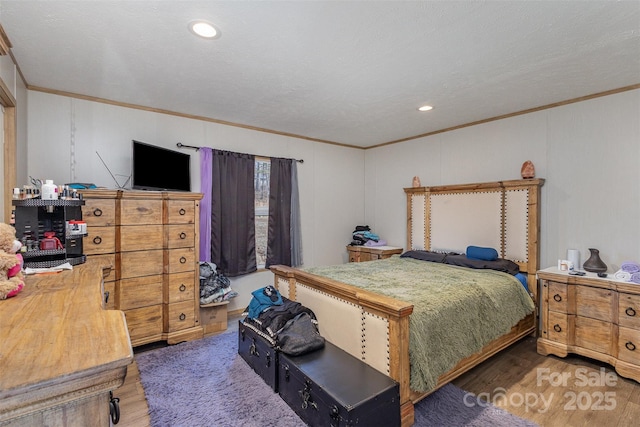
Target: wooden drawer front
x=629 y=345
x=179 y=236
x=558 y=300
x=99 y=240
x=108 y=259
x=594 y=334
x=180 y=212
x=180 y=315
x=558 y=327
x=365 y=256
x=99 y=212
x=629 y=310
x=138 y=212
x=139 y=292
x=140 y=237
x=141 y=263
x=180 y=260
x=180 y=287
x=595 y=303
x=144 y=322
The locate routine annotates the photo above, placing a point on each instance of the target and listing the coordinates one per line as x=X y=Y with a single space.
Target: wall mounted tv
x=157 y=168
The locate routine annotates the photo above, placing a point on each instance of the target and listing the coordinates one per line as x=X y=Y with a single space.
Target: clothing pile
x=214 y=286
x=629 y=272
x=362 y=235
x=287 y=325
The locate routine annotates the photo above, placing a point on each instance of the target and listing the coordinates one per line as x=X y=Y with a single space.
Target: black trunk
x=329 y=387
x=259 y=354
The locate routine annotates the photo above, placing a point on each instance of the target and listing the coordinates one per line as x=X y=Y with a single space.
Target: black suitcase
x=329 y=387
x=259 y=353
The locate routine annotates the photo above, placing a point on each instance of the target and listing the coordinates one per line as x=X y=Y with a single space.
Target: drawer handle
x=182 y=212
x=183 y=260
x=630 y=311
x=183 y=235
x=106 y=297
x=114 y=408
x=557 y=328
x=630 y=346
x=97 y=212
x=183 y=288
x=97 y=240
x=557 y=297
x=183 y=316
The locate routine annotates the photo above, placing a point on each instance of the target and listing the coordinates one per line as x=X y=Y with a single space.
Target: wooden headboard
x=504 y=215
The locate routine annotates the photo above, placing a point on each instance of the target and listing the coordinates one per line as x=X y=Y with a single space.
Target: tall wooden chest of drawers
x=151 y=238
x=591 y=316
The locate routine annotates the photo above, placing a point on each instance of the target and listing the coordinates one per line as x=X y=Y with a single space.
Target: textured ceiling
x=351 y=72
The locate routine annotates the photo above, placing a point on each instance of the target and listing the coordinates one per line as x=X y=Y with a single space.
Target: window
x=261 y=185
x=242 y=187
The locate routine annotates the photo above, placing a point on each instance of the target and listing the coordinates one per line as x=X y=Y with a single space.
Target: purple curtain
x=206 y=154
x=279 y=228
x=233 y=243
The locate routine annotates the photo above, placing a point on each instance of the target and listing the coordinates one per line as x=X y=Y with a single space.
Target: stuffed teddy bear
x=11 y=277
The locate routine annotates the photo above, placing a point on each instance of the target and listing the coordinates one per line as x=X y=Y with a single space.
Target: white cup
x=573 y=255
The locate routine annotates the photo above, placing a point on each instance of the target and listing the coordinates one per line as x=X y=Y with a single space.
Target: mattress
x=457 y=310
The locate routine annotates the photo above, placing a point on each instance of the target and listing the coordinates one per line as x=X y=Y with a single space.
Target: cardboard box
x=213 y=317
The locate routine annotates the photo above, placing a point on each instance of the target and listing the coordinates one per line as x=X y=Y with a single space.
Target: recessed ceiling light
x=425 y=108
x=204 y=29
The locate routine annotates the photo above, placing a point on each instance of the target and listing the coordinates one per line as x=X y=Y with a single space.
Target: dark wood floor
x=518 y=380
x=553 y=391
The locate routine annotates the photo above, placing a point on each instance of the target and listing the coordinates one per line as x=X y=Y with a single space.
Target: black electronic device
x=577 y=273
x=158 y=168
x=602 y=274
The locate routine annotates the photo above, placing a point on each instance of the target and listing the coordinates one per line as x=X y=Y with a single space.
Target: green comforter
x=456 y=311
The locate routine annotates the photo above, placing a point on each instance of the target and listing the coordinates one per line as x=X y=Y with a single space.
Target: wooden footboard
x=375 y=328
x=369 y=326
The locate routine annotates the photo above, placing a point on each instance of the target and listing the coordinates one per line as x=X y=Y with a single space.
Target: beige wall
x=588 y=152
x=65 y=133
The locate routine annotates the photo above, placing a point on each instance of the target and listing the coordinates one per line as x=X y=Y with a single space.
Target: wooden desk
x=61 y=352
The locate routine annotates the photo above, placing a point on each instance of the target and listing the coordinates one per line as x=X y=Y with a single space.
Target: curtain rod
x=181 y=145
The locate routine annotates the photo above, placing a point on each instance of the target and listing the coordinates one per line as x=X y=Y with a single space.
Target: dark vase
x=594 y=264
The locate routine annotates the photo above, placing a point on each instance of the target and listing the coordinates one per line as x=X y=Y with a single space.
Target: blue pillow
x=485 y=254
x=523 y=280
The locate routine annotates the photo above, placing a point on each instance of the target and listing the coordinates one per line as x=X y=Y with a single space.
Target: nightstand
x=370 y=253
x=590 y=316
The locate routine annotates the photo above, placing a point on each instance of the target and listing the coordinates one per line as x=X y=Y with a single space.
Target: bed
x=374 y=325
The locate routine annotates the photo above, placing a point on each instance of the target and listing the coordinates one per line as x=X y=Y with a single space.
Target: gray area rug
x=205 y=383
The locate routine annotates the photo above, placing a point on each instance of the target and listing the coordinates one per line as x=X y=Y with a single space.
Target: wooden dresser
x=62 y=352
x=591 y=316
x=370 y=253
x=151 y=238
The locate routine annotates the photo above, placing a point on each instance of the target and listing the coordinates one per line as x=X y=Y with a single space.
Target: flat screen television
x=157 y=168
